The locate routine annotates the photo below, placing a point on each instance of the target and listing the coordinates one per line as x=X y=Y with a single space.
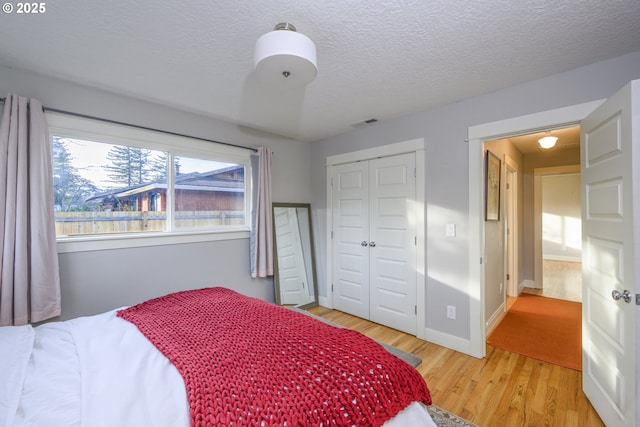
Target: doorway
x=514 y=244
x=608 y=134
x=557 y=118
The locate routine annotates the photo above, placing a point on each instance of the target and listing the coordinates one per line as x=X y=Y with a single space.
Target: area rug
x=546 y=329
x=444 y=418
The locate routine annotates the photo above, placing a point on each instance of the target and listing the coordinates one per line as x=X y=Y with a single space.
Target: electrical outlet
x=451 y=312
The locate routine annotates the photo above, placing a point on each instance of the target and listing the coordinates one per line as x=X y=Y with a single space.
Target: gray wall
x=494 y=234
x=444 y=130
x=96 y=281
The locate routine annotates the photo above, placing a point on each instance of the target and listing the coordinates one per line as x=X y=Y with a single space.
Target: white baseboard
x=495 y=318
x=449 y=341
x=529 y=284
x=562 y=258
x=325 y=302
x=431 y=335
x=521 y=286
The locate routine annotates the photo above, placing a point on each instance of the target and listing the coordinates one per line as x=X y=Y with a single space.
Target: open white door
x=610 y=162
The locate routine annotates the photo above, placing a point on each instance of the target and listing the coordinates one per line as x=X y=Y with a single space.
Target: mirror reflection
x=295 y=273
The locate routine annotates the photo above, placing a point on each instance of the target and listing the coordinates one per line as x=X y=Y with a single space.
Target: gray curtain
x=261 y=237
x=29 y=275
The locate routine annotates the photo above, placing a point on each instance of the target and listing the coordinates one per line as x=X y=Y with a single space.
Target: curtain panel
x=261 y=237
x=29 y=271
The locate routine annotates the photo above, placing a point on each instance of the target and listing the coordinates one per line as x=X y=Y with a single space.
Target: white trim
x=329 y=272
x=511 y=169
x=122 y=241
x=531 y=123
x=97 y=131
x=557 y=118
x=375 y=152
x=563 y=258
x=496 y=317
x=446 y=340
x=538 y=173
x=421 y=242
x=476 y=253
x=416 y=146
x=110 y=133
x=324 y=302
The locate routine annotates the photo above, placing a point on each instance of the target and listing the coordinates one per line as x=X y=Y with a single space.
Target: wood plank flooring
x=561 y=279
x=502 y=390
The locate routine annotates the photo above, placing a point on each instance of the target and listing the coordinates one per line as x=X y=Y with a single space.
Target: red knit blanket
x=248 y=362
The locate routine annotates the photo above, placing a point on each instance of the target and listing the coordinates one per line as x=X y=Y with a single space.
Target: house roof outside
x=195 y=181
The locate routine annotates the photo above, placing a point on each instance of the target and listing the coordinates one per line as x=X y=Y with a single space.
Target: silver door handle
x=625 y=295
x=372 y=244
x=364 y=243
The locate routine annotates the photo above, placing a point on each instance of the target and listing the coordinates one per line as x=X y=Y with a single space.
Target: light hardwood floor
x=502 y=390
x=561 y=279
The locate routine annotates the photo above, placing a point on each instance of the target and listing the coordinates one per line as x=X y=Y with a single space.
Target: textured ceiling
x=375 y=59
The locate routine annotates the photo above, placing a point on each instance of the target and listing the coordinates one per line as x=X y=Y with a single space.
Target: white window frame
x=100 y=131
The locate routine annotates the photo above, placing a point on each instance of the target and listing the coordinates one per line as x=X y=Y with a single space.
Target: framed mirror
x=293 y=256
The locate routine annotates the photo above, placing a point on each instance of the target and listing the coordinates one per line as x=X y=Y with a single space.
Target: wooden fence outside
x=87 y=223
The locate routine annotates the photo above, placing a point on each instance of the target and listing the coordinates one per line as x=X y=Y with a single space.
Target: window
x=115 y=182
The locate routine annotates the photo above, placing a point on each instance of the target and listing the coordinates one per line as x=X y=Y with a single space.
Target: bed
x=203 y=357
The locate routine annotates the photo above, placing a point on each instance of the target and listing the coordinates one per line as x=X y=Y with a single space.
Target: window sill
x=100 y=243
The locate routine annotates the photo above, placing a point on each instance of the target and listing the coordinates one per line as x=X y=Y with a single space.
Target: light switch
x=450 y=230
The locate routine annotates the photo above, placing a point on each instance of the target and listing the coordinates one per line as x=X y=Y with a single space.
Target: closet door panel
x=350 y=214
x=393 y=230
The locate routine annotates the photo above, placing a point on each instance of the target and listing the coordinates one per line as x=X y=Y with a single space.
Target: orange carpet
x=546 y=329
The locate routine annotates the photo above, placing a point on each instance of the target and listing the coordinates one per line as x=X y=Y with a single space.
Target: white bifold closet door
x=374 y=240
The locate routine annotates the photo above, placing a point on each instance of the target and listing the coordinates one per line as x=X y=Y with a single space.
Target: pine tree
x=158 y=166
x=128 y=165
x=70 y=189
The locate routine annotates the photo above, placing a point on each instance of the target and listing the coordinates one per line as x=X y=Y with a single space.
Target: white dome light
x=285 y=57
x=548 y=141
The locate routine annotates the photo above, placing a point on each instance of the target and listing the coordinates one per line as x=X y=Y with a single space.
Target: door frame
x=512 y=243
x=477 y=135
x=416 y=146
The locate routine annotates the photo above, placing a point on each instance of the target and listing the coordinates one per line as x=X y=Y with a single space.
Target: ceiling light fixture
x=548 y=141
x=285 y=57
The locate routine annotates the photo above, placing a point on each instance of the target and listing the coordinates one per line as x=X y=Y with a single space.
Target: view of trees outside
x=70 y=189
x=123 y=166
x=128 y=165
x=102 y=188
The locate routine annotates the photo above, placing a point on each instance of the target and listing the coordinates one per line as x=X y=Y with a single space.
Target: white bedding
x=100 y=371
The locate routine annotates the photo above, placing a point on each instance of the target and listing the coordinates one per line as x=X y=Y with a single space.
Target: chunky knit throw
x=247 y=362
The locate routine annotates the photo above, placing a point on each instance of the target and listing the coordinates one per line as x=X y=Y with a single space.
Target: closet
x=374 y=240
